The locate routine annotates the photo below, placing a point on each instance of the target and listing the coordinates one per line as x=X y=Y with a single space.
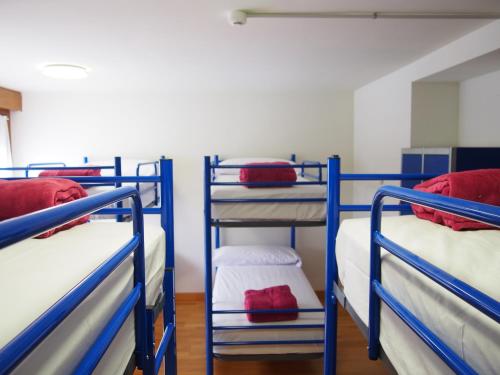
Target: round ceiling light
x=65 y=71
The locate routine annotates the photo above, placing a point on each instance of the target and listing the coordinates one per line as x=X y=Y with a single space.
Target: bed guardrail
x=61 y=164
x=310 y=165
x=334 y=209
x=319 y=176
x=102 y=180
x=476 y=211
x=27 y=226
x=167 y=347
x=155 y=164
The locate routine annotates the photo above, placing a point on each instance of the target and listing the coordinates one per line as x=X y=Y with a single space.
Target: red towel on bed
x=20 y=197
x=481 y=185
x=70 y=172
x=273 y=298
x=285 y=174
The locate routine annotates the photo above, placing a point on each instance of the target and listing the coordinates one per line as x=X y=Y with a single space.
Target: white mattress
x=34 y=274
x=472 y=256
x=228 y=294
x=267 y=211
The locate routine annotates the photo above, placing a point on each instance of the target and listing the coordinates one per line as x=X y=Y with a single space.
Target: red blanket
x=20 y=197
x=482 y=185
x=70 y=172
x=273 y=298
x=286 y=174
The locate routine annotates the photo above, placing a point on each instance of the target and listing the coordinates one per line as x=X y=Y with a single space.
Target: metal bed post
x=167 y=223
x=217 y=227
x=293 y=159
x=208 y=267
x=375 y=273
x=139 y=277
x=217 y=235
x=157 y=195
x=332 y=225
x=118 y=172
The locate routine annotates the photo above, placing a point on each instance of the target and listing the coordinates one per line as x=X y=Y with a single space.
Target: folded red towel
x=20 y=197
x=481 y=185
x=70 y=172
x=273 y=298
x=285 y=174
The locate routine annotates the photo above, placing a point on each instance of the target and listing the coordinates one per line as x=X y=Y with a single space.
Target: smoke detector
x=237 y=17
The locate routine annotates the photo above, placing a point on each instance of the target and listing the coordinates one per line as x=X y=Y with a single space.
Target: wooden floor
x=352 y=354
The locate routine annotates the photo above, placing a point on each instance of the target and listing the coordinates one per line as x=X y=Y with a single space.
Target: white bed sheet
x=267 y=211
x=473 y=257
x=34 y=274
x=228 y=293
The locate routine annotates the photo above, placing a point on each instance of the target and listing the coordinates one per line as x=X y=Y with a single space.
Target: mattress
x=268 y=211
x=228 y=293
x=472 y=256
x=40 y=272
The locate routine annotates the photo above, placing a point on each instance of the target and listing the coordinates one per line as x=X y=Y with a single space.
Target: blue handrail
x=101 y=179
x=93 y=356
x=40 y=164
x=137 y=173
x=146 y=358
x=316 y=164
x=30 y=225
x=267 y=166
x=477 y=211
x=27 y=226
x=334 y=209
x=62 y=168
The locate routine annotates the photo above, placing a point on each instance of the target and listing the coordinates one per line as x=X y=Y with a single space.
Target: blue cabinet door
x=436 y=164
x=411 y=163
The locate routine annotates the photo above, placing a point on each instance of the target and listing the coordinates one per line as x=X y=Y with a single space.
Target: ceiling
x=484 y=64
x=188 y=45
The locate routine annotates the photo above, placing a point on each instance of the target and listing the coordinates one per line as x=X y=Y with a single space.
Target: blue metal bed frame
x=117 y=167
x=209 y=181
x=333 y=294
x=481 y=212
x=27 y=226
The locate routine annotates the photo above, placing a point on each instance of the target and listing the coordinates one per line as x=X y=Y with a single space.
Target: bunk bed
x=50 y=327
x=421 y=318
x=118 y=166
x=229 y=203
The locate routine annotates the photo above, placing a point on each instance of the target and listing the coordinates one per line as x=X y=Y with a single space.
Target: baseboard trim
x=190 y=297
x=200 y=297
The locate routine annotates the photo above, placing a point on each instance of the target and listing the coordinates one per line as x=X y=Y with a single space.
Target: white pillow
x=255 y=256
x=242 y=161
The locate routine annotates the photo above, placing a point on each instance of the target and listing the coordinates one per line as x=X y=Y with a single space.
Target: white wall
x=434 y=114
x=185 y=127
x=382 y=109
x=480 y=111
